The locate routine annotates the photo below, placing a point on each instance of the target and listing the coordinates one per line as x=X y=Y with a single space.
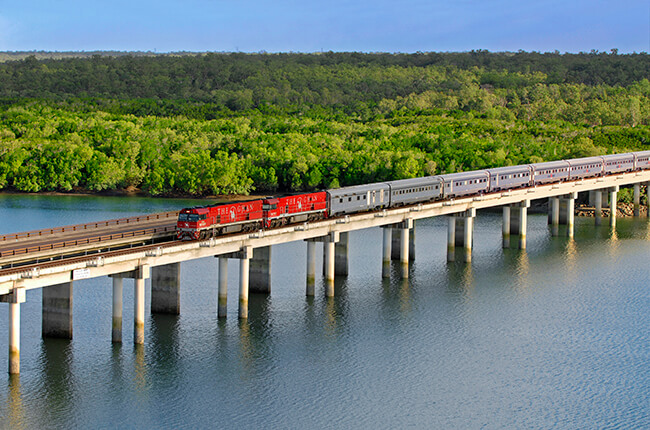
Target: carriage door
x=368 y=198
x=374 y=197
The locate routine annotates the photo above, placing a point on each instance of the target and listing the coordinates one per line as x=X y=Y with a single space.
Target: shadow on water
x=57 y=378
x=163 y=348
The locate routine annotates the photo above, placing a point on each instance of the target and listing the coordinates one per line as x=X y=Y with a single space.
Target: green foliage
x=235 y=123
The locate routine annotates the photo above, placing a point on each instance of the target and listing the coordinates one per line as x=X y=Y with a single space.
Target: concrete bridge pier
x=341 y=255
x=464 y=231
x=222 y=295
x=165 y=289
x=516 y=223
x=396 y=248
x=141 y=273
x=14 y=299
x=598 y=207
x=505 y=228
x=244 y=268
x=521 y=222
x=386 y=251
x=405 y=247
x=567 y=214
x=554 y=212
x=118 y=289
x=260 y=270
x=451 y=237
x=637 y=199
x=311 y=268
x=329 y=260
x=613 y=192
x=57 y=311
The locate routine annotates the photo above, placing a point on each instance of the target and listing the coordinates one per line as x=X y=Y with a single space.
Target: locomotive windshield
x=182 y=217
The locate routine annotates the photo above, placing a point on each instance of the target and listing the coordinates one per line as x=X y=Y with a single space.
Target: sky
x=332 y=25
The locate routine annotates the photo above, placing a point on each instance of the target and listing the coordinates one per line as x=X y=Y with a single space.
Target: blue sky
x=337 y=25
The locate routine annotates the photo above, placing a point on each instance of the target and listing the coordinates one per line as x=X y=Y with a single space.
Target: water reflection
x=15 y=418
x=140 y=374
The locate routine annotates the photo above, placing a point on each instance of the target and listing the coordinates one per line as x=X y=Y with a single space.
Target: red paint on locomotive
x=294 y=208
x=201 y=222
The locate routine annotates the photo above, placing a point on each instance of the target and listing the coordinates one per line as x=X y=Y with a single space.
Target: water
x=556 y=336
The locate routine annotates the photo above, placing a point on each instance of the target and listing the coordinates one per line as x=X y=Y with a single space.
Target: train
x=202 y=222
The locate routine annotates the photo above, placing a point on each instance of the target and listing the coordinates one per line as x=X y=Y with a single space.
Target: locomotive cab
x=190 y=222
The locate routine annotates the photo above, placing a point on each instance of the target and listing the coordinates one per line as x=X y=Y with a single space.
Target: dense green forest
x=237 y=123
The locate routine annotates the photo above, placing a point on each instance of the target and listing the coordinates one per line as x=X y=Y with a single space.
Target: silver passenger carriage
x=464 y=183
x=550 y=171
x=505 y=178
x=585 y=167
x=358 y=198
x=641 y=160
x=615 y=163
x=416 y=190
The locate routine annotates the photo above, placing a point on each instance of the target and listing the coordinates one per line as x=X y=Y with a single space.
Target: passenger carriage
x=505 y=178
x=641 y=160
x=551 y=171
x=464 y=183
x=616 y=163
x=417 y=190
x=585 y=167
x=358 y=198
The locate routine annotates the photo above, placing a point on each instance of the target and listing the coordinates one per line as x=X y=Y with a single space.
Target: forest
x=234 y=123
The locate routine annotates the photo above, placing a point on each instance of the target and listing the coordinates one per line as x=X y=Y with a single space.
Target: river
x=556 y=336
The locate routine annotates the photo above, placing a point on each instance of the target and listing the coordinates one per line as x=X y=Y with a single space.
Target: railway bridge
x=145 y=247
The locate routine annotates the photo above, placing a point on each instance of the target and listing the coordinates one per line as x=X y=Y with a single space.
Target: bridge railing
x=90 y=225
x=86 y=241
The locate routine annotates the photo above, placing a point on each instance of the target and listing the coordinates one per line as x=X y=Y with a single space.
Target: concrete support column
x=386 y=248
x=142 y=273
x=260 y=271
x=397 y=241
x=341 y=255
x=166 y=289
x=555 y=216
x=311 y=268
x=451 y=238
x=14 y=338
x=57 y=311
x=222 y=298
x=244 y=268
x=505 y=230
x=395 y=245
x=592 y=198
x=467 y=238
x=570 y=213
x=118 y=287
x=637 y=200
x=138 y=311
x=329 y=258
x=598 y=207
x=14 y=299
x=523 y=223
x=404 y=252
x=613 y=205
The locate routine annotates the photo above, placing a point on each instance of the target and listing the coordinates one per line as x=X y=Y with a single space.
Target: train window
x=341 y=200
x=182 y=217
x=358 y=198
x=349 y=199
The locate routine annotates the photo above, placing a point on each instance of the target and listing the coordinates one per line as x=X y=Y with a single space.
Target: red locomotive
x=208 y=221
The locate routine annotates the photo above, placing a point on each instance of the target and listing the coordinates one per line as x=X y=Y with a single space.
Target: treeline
x=43 y=148
x=236 y=123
